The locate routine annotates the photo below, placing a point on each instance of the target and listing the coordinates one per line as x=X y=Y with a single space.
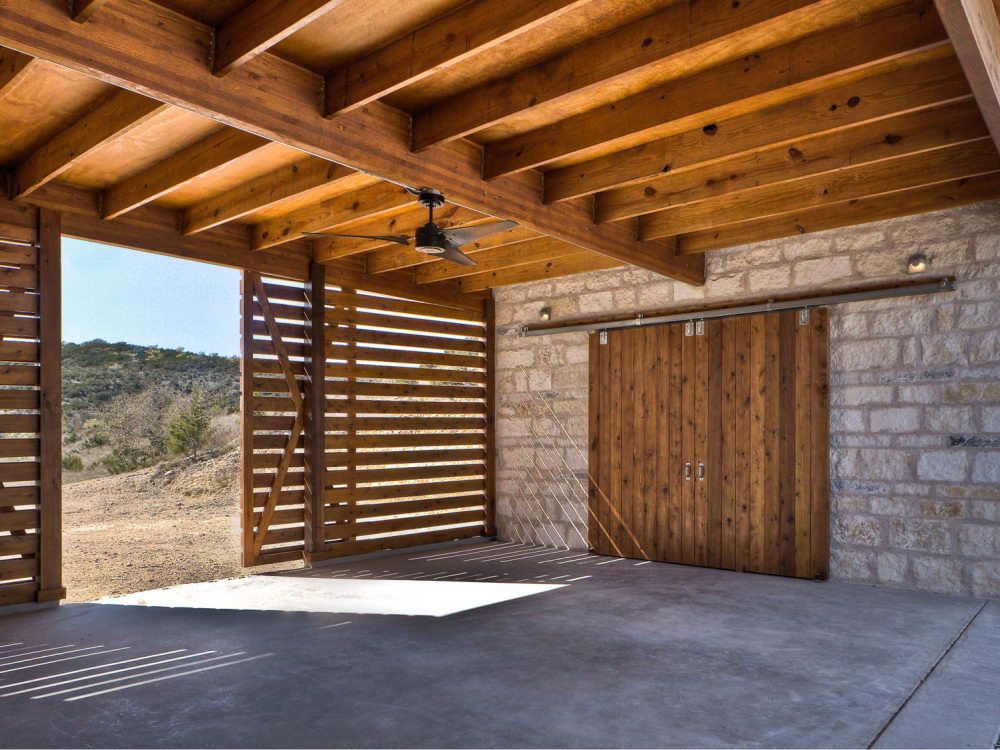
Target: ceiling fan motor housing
x=430 y=240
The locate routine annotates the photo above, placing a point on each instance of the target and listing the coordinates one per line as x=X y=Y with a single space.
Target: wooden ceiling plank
x=448 y=292
x=867 y=143
x=770 y=77
x=330 y=215
x=264 y=192
x=14 y=70
x=436 y=46
x=122 y=113
x=395 y=259
x=83 y=10
x=506 y=256
x=202 y=158
x=940 y=165
x=581 y=262
x=278 y=100
x=927 y=83
x=640 y=49
x=260 y=26
x=860 y=211
x=974 y=29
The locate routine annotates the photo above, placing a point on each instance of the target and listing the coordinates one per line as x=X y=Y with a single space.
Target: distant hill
x=97 y=372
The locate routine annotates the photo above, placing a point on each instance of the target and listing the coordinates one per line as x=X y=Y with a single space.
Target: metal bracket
x=804 y=316
x=638 y=319
x=699 y=328
x=689 y=328
x=603 y=337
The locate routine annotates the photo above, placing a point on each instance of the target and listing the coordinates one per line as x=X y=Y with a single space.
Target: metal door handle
x=687 y=471
x=701 y=472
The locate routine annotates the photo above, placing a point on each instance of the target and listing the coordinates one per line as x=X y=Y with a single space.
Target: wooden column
x=50 y=586
x=315 y=405
x=489 y=313
x=246 y=415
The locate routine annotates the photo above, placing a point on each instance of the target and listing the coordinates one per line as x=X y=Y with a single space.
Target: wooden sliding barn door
x=708 y=443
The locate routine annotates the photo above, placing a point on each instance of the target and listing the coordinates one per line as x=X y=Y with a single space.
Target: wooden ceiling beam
x=497 y=259
x=917 y=170
x=200 y=159
x=446 y=217
x=14 y=70
x=867 y=143
x=686 y=35
x=859 y=211
x=567 y=265
x=154 y=229
x=275 y=99
x=304 y=177
x=444 y=42
x=260 y=26
x=930 y=81
x=772 y=76
x=974 y=28
x=83 y=10
x=116 y=117
x=331 y=215
x=397 y=258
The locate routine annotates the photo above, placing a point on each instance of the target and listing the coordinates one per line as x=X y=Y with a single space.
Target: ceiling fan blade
x=455 y=255
x=401 y=239
x=459 y=237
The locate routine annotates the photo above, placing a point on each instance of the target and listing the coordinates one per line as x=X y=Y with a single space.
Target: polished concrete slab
x=614 y=654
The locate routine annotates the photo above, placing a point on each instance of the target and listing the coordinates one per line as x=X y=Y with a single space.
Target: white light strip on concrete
x=86 y=669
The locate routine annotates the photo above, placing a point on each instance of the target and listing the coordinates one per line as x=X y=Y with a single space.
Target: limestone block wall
x=915 y=395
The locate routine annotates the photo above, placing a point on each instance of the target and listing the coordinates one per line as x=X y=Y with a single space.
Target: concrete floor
x=618 y=655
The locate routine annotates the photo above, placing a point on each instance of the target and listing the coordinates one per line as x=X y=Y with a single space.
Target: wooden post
x=315 y=406
x=50 y=586
x=489 y=315
x=246 y=416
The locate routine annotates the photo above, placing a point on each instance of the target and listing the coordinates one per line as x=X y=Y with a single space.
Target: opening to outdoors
x=150 y=421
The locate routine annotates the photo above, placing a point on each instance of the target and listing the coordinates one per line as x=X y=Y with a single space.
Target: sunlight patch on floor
x=334 y=595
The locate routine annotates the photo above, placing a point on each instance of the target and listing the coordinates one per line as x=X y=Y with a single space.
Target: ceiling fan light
x=430 y=249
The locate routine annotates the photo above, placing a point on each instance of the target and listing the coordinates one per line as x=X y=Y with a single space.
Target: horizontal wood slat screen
x=709 y=443
x=403 y=431
x=20 y=401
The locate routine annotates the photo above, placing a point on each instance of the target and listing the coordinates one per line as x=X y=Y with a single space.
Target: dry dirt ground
x=174 y=523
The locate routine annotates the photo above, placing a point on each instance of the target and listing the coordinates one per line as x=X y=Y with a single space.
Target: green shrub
x=72 y=462
x=187 y=432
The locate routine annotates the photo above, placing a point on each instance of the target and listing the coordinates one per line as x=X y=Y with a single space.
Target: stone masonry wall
x=915 y=395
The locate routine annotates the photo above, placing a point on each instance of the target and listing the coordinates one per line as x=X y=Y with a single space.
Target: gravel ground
x=168 y=524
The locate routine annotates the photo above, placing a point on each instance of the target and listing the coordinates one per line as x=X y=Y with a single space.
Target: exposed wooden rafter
x=14 y=69
x=277 y=100
x=436 y=46
x=123 y=112
x=770 y=77
x=370 y=202
x=200 y=159
x=82 y=10
x=297 y=181
x=929 y=81
x=260 y=26
x=974 y=29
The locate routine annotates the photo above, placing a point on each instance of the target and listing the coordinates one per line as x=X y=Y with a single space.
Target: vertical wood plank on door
x=757 y=385
x=593 y=443
x=711 y=486
x=803 y=448
x=607 y=441
x=820 y=469
x=742 y=439
x=638 y=435
x=727 y=444
x=676 y=415
x=628 y=433
x=772 y=408
x=688 y=385
x=663 y=443
x=788 y=323
x=615 y=342
x=650 y=496
x=700 y=455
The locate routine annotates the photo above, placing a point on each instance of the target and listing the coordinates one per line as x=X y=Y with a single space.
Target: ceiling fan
x=430 y=238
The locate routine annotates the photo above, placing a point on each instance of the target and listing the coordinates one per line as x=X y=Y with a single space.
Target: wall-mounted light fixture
x=545 y=314
x=917 y=263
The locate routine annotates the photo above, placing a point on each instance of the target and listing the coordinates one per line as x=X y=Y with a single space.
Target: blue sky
x=141 y=298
